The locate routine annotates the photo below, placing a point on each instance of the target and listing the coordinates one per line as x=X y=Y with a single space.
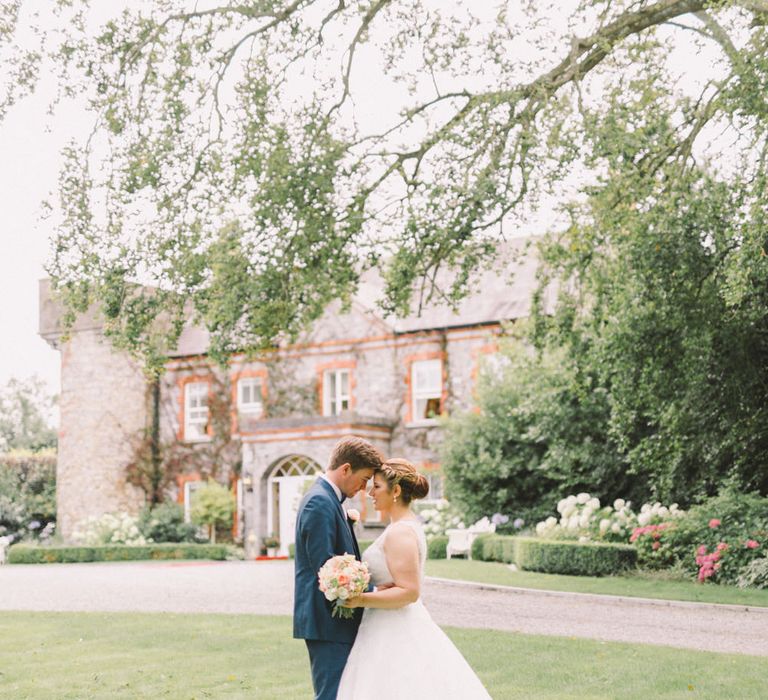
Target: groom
x=323 y=531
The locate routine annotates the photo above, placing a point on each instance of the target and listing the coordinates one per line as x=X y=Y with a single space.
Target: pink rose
x=353 y=515
x=722 y=547
x=656 y=545
x=751 y=544
x=702 y=550
x=714 y=523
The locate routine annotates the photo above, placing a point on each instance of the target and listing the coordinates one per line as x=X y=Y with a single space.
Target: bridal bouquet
x=343 y=577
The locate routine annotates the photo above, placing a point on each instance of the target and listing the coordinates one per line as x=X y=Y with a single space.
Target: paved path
x=266 y=588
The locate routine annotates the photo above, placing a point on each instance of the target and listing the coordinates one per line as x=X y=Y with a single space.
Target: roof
x=501 y=291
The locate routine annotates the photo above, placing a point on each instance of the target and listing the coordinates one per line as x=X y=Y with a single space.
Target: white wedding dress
x=402 y=654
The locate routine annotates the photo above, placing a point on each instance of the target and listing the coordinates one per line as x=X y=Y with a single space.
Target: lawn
x=635 y=586
x=131 y=655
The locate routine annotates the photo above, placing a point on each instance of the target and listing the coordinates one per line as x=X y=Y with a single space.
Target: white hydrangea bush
x=584 y=518
x=439 y=517
x=110 y=528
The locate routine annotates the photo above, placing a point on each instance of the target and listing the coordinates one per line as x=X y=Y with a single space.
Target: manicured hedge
x=436 y=547
x=556 y=556
x=31 y=554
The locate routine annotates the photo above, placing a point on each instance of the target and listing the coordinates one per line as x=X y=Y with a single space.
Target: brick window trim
x=320 y=370
x=234 y=379
x=418 y=357
x=182 y=384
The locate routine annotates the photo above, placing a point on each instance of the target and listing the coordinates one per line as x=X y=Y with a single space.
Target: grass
x=646 y=586
x=136 y=655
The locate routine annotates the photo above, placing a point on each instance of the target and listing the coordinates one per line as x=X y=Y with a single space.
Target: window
x=196 y=411
x=189 y=490
x=249 y=396
x=435 y=479
x=427 y=388
x=335 y=391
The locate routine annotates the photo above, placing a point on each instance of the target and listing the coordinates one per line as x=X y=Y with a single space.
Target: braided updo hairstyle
x=401 y=471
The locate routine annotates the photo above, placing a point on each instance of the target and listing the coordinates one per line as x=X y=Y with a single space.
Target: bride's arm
x=401 y=549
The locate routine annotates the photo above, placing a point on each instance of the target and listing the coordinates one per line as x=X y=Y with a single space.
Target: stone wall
x=103 y=407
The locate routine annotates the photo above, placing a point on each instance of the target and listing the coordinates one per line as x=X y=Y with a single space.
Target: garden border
x=600 y=597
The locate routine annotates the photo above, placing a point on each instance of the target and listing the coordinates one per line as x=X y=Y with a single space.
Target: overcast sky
x=28 y=171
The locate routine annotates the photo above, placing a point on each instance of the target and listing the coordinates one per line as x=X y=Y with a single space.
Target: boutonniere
x=353 y=515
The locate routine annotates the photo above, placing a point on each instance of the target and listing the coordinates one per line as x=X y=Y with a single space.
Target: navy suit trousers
x=327 y=660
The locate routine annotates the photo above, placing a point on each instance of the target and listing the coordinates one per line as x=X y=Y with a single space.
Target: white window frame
x=256 y=386
x=196 y=415
x=424 y=394
x=434 y=477
x=189 y=488
x=334 y=400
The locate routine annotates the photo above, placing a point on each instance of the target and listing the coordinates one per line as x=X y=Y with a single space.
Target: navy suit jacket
x=322 y=531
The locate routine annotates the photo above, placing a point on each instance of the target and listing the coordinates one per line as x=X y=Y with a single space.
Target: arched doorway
x=287 y=483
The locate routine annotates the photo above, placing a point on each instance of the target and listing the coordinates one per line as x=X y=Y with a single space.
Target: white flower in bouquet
x=644 y=518
x=616 y=528
x=593 y=503
x=340 y=578
x=582 y=498
x=619 y=503
x=605 y=524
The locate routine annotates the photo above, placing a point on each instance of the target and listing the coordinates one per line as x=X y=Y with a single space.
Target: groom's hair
x=359 y=453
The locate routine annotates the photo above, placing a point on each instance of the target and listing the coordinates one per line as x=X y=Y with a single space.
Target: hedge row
x=31 y=554
x=556 y=556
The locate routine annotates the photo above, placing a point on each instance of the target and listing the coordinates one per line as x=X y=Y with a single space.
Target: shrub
x=754 y=575
x=436 y=547
x=582 y=517
x=491 y=548
x=33 y=554
x=27 y=495
x=213 y=505
x=110 y=528
x=165 y=523
x=574 y=558
x=733 y=526
x=438 y=518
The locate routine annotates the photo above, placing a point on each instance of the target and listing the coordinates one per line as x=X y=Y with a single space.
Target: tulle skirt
x=402 y=655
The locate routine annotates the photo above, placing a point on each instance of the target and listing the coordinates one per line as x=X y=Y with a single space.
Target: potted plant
x=271 y=544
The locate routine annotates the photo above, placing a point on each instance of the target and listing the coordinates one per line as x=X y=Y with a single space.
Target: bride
x=399 y=651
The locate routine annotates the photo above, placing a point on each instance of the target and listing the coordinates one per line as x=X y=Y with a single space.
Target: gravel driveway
x=266 y=588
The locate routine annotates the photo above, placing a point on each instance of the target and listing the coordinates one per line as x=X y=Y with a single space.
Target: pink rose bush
x=343 y=577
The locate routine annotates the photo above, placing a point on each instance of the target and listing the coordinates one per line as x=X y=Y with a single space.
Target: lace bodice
x=376 y=559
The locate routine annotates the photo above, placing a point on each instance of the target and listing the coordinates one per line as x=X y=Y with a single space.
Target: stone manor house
x=353 y=372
